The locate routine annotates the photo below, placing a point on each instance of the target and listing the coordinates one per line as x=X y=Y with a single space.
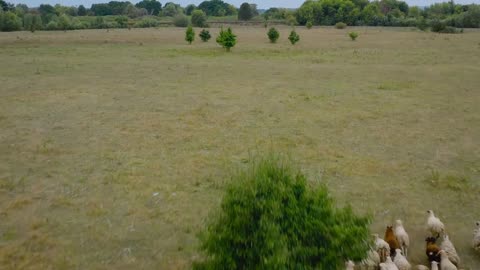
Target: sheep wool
x=449 y=248
x=434 y=225
x=434 y=265
x=421 y=267
x=372 y=260
x=382 y=248
x=349 y=265
x=476 y=237
x=402 y=237
x=400 y=261
x=445 y=263
x=390 y=265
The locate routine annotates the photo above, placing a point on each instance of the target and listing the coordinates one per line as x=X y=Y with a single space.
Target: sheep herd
x=391 y=252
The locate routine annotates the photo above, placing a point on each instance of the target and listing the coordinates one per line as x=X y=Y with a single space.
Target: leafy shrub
x=273 y=35
x=437 y=26
x=99 y=23
x=122 y=21
x=353 y=35
x=293 y=37
x=52 y=25
x=9 y=22
x=32 y=22
x=205 y=35
x=422 y=24
x=180 y=20
x=199 y=19
x=340 y=25
x=147 y=22
x=270 y=218
x=64 y=23
x=190 y=35
x=227 y=39
x=309 y=25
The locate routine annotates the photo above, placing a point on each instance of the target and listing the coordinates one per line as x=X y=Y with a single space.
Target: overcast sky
x=260 y=3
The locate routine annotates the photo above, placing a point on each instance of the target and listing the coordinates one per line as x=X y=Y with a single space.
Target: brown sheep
x=432 y=249
x=392 y=241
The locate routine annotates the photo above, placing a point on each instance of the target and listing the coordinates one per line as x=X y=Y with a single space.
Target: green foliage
x=353 y=35
x=273 y=35
x=293 y=37
x=227 y=39
x=180 y=20
x=270 y=218
x=52 y=25
x=205 y=35
x=199 y=19
x=437 y=26
x=9 y=21
x=245 y=12
x=189 y=9
x=64 y=23
x=190 y=35
x=340 y=25
x=82 y=11
x=122 y=21
x=32 y=22
x=170 y=9
x=217 y=8
x=147 y=22
x=309 y=25
x=153 y=7
x=99 y=23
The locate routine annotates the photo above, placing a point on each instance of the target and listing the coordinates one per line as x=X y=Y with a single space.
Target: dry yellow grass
x=115 y=145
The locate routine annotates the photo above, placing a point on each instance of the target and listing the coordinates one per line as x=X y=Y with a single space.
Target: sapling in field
x=190 y=35
x=205 y=35
x=293 y=37
x=227 y=39
x=273 y=35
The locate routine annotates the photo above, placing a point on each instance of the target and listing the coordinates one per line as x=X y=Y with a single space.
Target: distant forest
x=152 y=13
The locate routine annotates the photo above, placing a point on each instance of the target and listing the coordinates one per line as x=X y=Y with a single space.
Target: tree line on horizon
x=149 y=13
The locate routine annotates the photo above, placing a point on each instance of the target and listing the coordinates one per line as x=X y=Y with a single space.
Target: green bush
x=52 y=25
x=273 y=35
x=205 y=35
x=190 y=35
x=309 y=25
x=199 y=19
x=122 y=21
x=180 y=20
x=147 y=22
x=227 y=39
x=32 y=22
x=437 y=26
x=270 y=218
x=64 y=23
x=353 y=35
x=340 y=25
x=99 y=23
x=9 y=22
x=293 y=37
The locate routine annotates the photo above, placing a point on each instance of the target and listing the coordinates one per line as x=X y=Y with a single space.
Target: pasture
x=116 y=145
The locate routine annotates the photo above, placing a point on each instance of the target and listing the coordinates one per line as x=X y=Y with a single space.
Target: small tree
x=205 y=35
x=199 y=19
x=294 y=37
x=180 y=20
x=190 y=34
x=340 y=25
x=227 y=39
x=245 y=12
x=309 y=25
x=32 y=22
x=270 y=218
x=353 y=35
x=9 y=21
x=273 y=35
x=64 y=22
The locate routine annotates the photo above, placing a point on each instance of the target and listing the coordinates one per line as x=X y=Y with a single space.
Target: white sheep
x=349 y=265
x=388 y=265
x=476 y=237
x=445 y=263
x=434 y=225
x=382 y=247
x=402 y=236
x=400 y=261
x=434 y=265
x=421 y=267
x=372 y=260
x=449 y=248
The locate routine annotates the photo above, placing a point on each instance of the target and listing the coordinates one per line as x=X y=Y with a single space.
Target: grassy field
x=115 y=146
